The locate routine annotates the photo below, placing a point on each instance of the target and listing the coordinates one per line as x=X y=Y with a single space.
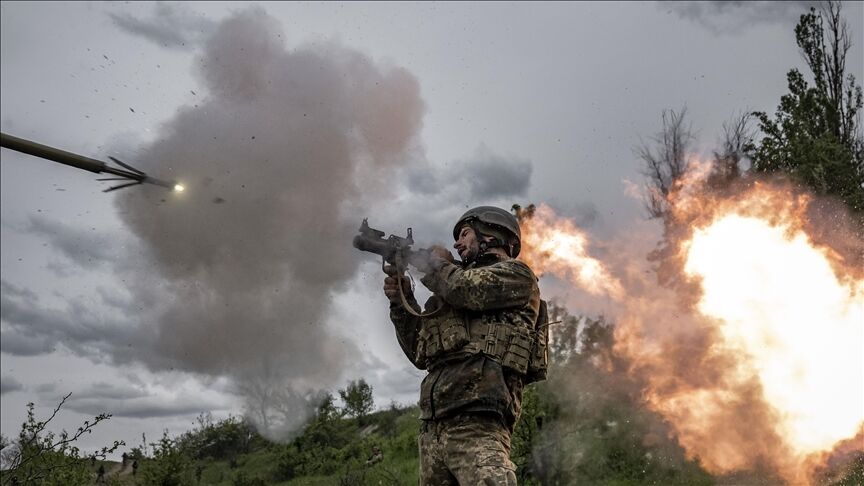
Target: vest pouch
x=518 y=352
x=454 y=333
x=539 y=362
x=429 y=341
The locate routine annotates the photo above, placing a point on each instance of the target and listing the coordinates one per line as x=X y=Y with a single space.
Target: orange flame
x=754 y=352
x=551 y=244
x=790 y=317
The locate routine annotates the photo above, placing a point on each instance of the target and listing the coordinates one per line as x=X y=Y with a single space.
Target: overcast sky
x=289 y=122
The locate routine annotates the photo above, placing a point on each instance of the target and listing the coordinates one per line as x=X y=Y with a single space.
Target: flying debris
x=125 y=172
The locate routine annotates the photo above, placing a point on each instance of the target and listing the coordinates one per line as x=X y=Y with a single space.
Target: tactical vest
x=454 y=333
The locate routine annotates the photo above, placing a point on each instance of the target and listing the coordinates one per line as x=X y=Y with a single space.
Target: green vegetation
x=42 y=457
x=816 y=135
x=332 y=449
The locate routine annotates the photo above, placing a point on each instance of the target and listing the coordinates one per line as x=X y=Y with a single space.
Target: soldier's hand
x=442 y=253
x=391 y=285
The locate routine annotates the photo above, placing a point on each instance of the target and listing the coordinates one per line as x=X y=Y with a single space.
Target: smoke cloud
x=275 y=160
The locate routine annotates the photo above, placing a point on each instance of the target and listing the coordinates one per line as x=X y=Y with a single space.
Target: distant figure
x=93 y=460
x=377 y=456
x=125 y=458
x=101 y=477
x=134 y=467
x=199 y=469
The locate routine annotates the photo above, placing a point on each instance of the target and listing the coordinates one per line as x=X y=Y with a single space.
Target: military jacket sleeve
x=507 y=283
x=408 y=328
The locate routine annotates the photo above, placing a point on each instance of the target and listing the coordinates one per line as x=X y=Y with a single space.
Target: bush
x=225 y=439
x=41 y=457
x=169 y=466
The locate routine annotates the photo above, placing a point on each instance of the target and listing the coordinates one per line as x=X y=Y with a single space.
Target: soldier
x=376 y=457
x=101 y=474
x=480 y=342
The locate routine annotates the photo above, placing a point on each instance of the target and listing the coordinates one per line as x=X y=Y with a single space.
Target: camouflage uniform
x=476 y=349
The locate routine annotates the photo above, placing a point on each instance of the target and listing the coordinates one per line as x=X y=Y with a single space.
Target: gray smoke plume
x=275 y=159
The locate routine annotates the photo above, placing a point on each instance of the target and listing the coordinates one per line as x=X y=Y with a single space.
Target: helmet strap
x=484 y=245
x=487 y=245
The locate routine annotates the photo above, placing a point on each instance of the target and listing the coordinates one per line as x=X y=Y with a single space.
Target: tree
x=358 y=398
x=736 y=146
x=816 y=135
x=666 y=160
x=170 y=465
x=327 y=410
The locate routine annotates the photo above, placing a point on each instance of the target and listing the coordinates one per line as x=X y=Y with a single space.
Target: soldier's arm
x=407 y=327
x=504 y=284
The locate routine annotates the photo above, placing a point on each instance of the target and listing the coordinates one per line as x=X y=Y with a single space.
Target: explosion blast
x=753 y=354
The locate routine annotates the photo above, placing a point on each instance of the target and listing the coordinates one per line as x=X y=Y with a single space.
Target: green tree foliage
x=170 y=464
x=357 y=396
x=42 y=457
x=224 y=439
x=816 y=134
x=334 y=447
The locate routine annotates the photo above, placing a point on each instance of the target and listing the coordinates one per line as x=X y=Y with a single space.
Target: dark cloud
x=726 y=16
x=9 y=384
x=14 y=291
x=482 y=177
x=112 y=391
x=17 y=344
x=402 y=383
x=142 y=407
x=126 y=399
x=170 y=26
x=45 y=389
x=437 y=196
x=31 y=328
x=85 y=247
x=59 y=269
x=490 y=176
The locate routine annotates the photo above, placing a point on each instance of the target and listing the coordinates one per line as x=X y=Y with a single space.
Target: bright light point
x=179 y=188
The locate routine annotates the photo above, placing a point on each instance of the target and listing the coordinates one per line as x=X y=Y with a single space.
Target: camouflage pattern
x=467 y=449
x=464 y=378
x=472 y=396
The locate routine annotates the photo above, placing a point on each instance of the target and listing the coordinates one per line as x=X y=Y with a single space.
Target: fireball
x=555 y=245
x=754 y=354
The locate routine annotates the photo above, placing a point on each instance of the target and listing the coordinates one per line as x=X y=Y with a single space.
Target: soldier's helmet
x=495 y=222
